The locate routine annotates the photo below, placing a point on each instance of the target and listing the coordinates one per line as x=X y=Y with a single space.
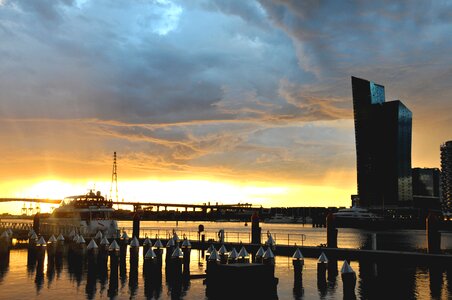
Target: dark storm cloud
x=119 y=66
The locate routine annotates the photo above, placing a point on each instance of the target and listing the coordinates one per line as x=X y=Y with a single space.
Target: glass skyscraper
x=383 y=147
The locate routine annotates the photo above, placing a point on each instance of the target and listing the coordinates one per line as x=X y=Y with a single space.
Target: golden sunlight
x=181 y=191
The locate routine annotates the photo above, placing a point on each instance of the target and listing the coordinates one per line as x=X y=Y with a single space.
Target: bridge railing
x=229 y=236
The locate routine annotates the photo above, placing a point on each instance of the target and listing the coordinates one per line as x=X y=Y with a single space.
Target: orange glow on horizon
x=179 y=191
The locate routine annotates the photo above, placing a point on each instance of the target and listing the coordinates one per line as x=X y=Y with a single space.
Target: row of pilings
x=251 y=275
x=95 y=256
x=243 y=275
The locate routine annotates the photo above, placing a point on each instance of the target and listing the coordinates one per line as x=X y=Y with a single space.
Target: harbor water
x=71 y=280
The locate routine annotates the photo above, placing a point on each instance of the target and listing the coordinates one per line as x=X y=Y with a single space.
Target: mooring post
x=255 y=229
x=136 y=225
x=92 y=250
x=331 y=231
x=258 y=256
x=243 y=256
x=233 y=256
x=98 y=237
x=60 y=245
x=146 y=245
x=186 y=249
x=114 y=264
x=159 y=252
x=212 y=262
x=322 y=266
x=176 y=264
x=433 y=234
x=81 y=246
x=134 y=247
x=104 y=247
x=151 y=266
x=348 y=280
x=170 y=246
x=223 y=252
x=123 y=243
x=41 y=246
x=51 y=246
x=298 y=263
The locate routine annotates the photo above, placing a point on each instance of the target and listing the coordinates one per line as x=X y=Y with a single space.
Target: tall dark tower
x=446 y=176
x=383 y=147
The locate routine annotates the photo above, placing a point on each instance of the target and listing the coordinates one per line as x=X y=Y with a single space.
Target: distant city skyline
x=228 y=101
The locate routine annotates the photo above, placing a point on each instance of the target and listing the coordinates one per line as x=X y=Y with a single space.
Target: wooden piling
x=331 y=231
x=136 y=225
x=433 y=234
x=255 y=229
x=36 y=223
x=298 y=263
x=348 y=280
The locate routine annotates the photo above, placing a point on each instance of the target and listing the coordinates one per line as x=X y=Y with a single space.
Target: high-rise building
x=426 y=182
x=426 y=191
x=383 y=147
x=446 y=176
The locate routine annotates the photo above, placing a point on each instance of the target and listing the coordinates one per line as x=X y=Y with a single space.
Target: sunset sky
x=221 y=101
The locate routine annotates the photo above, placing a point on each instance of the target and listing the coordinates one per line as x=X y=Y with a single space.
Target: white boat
x=356 y=214
x=87 y=214
x=280 y=219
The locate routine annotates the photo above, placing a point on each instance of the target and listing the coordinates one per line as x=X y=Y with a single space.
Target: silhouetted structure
x=446 y=175
x=426 y=182
x=383 y=147
x=426 y=188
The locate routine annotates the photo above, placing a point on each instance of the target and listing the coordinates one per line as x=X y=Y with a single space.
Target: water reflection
x=113 y=283
x=449 y=279
x=298 y=290
x=39 y=278
x=31 y=261
x=58 y=265
x=102 y=271
x=133 y=274
x=91 y=278
x=76 y=268
x=332 y=276
x=4 y=264
x=436 y=281
x=50 y=270
x=392 y=281
x=100 y=278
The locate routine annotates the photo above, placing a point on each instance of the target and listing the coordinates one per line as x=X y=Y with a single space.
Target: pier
x=286 y=247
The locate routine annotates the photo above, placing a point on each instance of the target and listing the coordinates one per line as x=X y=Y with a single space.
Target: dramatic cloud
x=218 y=89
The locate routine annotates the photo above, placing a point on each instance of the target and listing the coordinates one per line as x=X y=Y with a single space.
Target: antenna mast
x=114 y=178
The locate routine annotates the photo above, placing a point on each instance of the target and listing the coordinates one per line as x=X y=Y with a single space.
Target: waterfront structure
x=426 y=191
x=426 y=182
x=383 y=147
x=446 y=176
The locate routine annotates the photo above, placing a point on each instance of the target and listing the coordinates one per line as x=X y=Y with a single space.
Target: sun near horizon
x=176 y=191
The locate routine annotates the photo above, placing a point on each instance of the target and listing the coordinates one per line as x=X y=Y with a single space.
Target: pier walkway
x=20 y=232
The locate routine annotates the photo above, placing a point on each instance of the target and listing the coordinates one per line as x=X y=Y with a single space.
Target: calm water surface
x=70 y=280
